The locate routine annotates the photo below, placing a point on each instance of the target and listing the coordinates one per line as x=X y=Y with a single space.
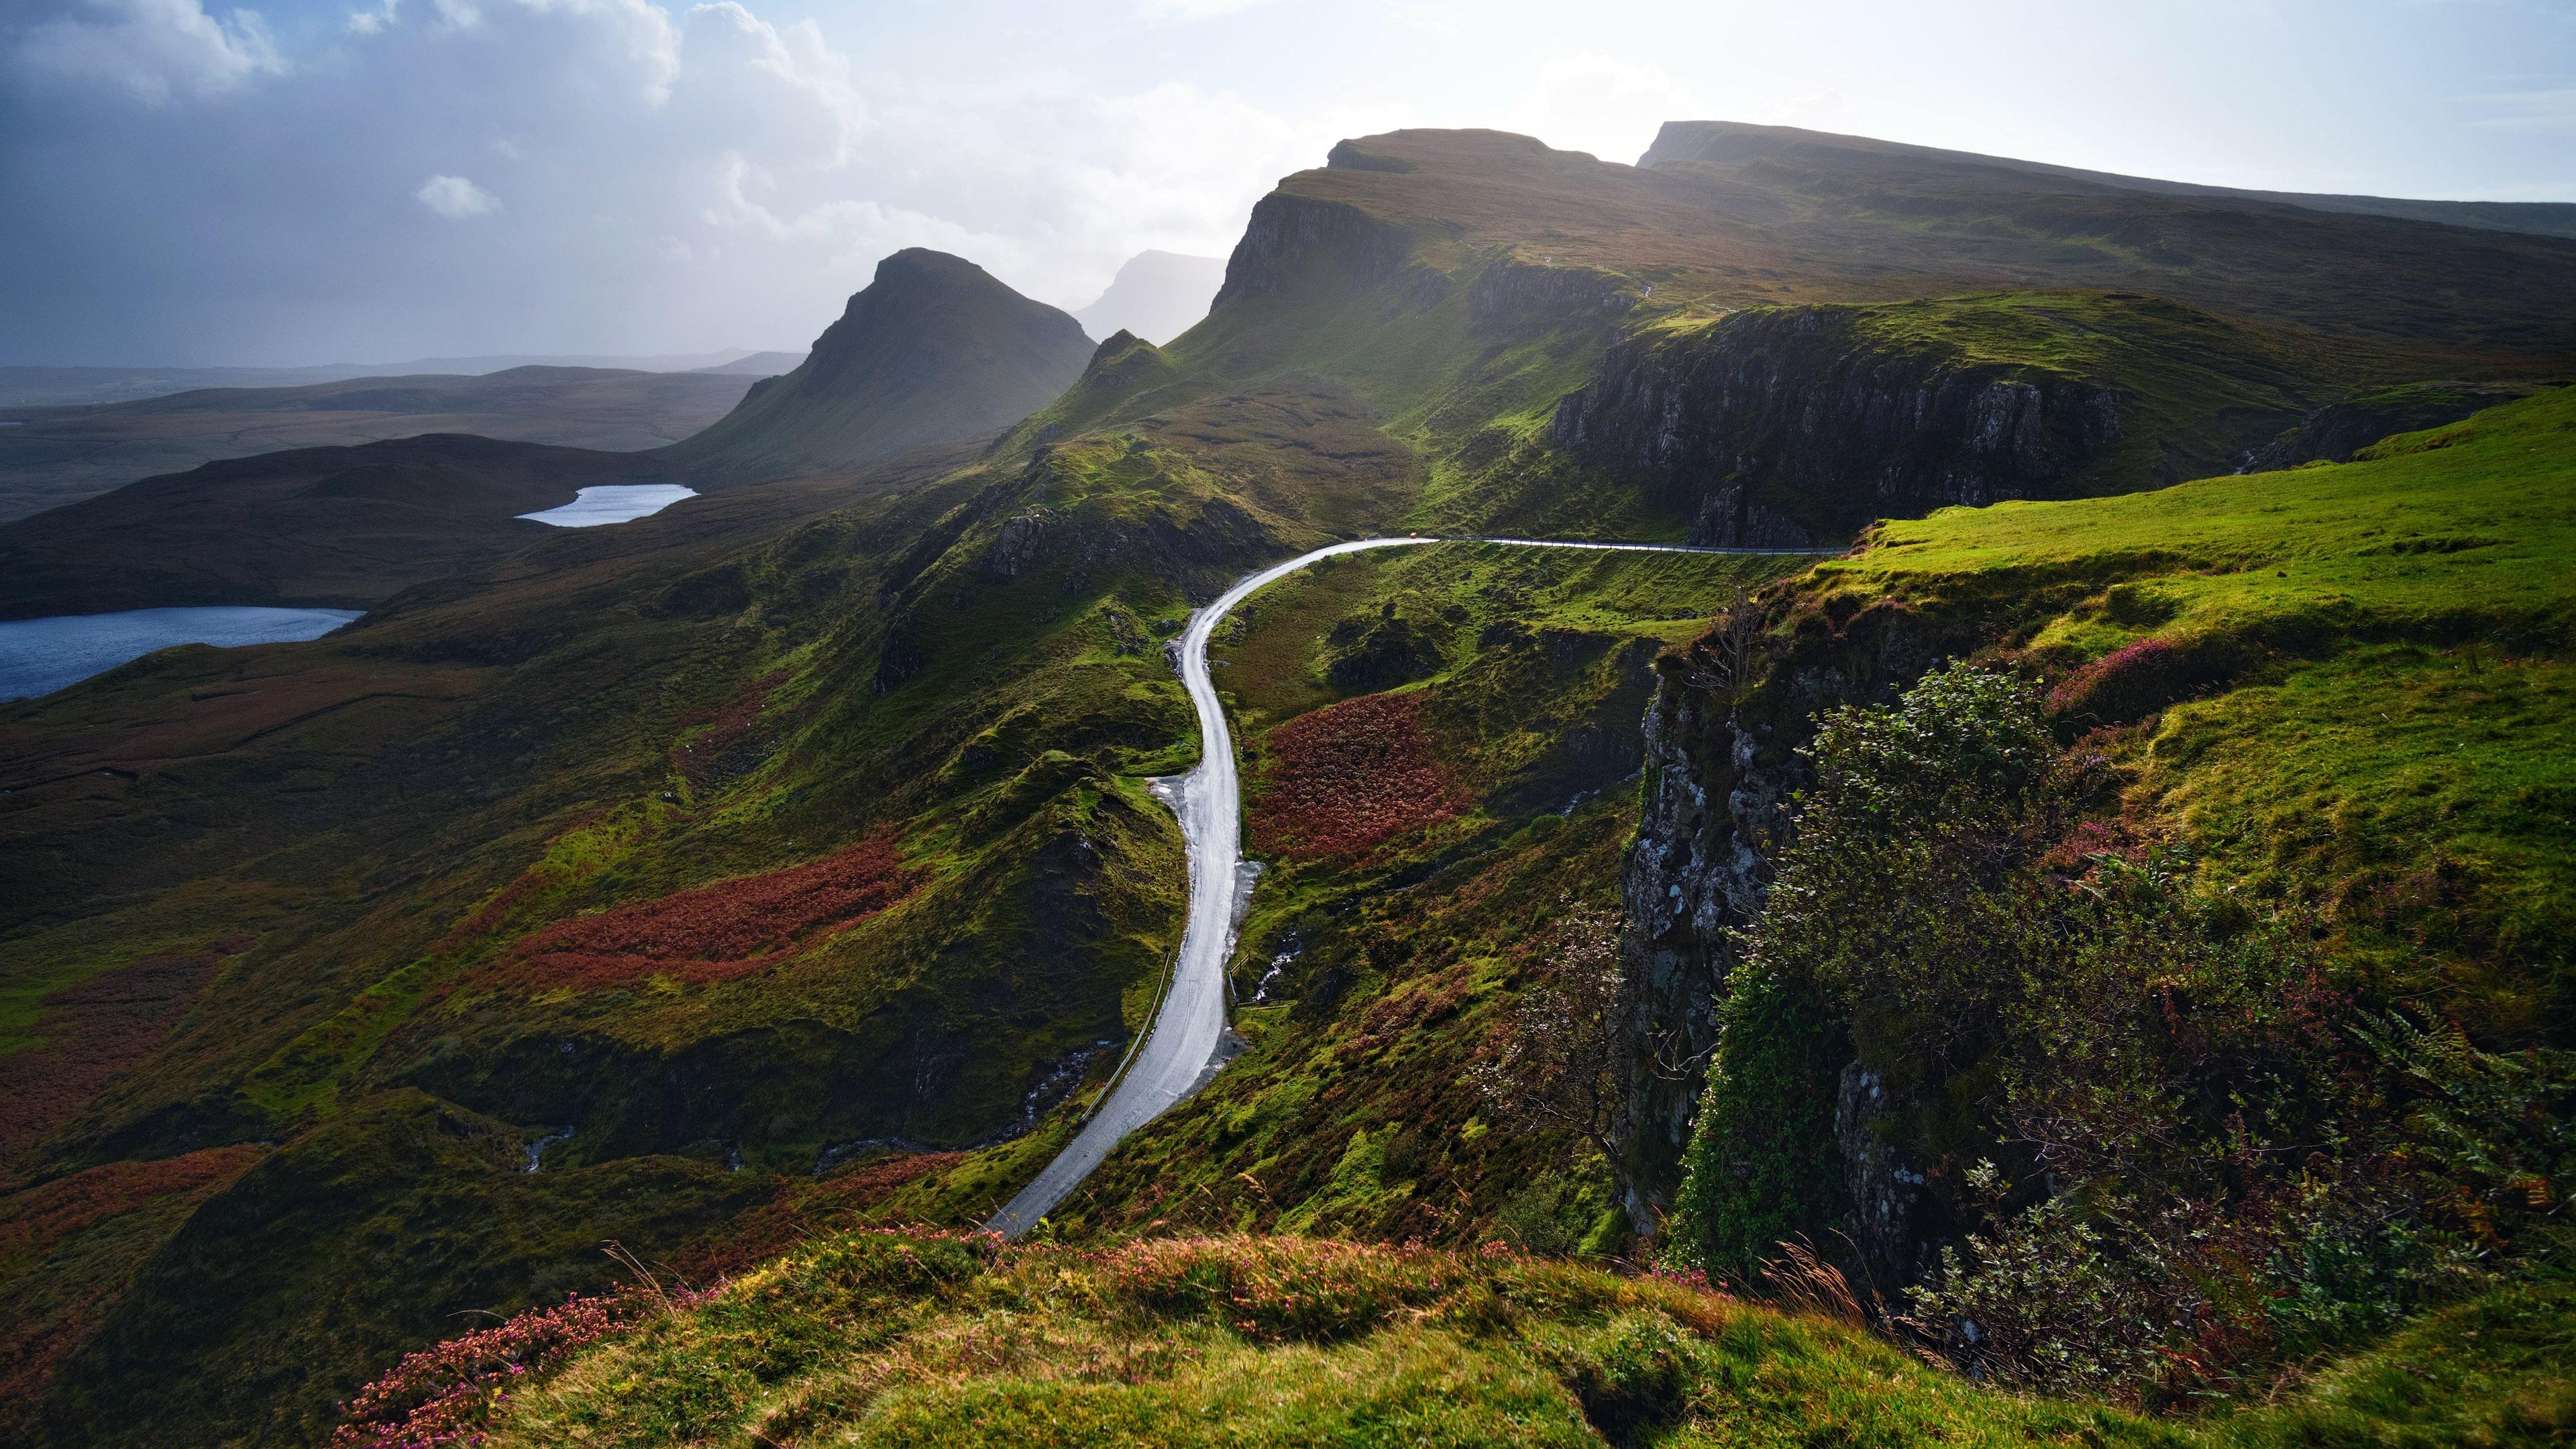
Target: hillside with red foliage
x=1342 y=779
x=91 y=1032
x=43 y=1317
x=35 y=1220
x=710 y=754
x=716 y=932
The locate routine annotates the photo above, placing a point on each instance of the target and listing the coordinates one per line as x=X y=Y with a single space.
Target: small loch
x=613 y=503
x=39 y=656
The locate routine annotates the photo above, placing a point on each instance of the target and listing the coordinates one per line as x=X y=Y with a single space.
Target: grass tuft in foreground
x=923 y=1339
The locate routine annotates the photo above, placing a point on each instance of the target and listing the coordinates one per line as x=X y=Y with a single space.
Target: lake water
x=39 y=656
x=614 y=503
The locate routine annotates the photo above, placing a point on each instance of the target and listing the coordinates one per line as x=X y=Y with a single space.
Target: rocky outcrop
x=1722 y=766
x=1886 y=1192
x=1786 y=427
x=1518 y=295
x=1015 y=547
x=1290 y=235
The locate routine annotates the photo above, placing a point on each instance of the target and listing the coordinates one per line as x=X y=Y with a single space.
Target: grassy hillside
x=2176 y=986
x=784 y=861
x=2366 y=694
x=914 y=1340
x=1406 y=906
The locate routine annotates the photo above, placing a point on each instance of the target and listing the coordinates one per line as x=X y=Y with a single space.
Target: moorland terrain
x=51 y=456
x=2081 y=956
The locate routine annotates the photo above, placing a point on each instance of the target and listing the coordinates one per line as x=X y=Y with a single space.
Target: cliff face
x=1786 y=427
x=1721 y=770
x=1289 y=233
x=1513 y=294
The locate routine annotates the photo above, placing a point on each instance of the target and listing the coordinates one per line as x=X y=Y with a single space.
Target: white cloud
x=652 y=41
x=456 y=197
x=1611 y=108
x=157 y=49
x=370 y=22
x=801 y=60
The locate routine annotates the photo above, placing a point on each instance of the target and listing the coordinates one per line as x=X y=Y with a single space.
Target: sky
x=193 y=184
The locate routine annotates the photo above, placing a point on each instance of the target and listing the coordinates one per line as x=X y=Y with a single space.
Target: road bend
x=1180 y=1050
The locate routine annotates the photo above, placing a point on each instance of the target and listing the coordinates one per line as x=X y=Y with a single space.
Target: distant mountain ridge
x=34 y=386
x=1156 y=296
x=933 y=350
x=1736 y=142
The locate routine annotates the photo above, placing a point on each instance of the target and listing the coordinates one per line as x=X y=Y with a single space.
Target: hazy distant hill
x=933 y=350
x=1156 y=295
x=328 y=527
x=72 y=386
x=55 y=456
x=759 y=364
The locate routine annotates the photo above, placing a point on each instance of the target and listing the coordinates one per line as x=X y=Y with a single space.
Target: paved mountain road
x=1181 y=1045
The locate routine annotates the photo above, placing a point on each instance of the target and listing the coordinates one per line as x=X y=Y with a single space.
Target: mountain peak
x=933 y=350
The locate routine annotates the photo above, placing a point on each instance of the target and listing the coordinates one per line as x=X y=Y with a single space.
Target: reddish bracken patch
x=34 y=1221
x=1343 y=779
x=91 y=1032
x=717 y=932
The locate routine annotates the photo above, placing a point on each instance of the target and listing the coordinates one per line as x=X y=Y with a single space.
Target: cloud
x=652 y=41
x=801 y=60
x=1611 y=108
x=674 y=177
x=156 y=49
x=456 y=197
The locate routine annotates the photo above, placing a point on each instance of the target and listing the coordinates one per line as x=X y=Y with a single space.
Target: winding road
x=1180 y=1050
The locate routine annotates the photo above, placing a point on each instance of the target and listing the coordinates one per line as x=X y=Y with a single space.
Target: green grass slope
x=2370 y=698
x=785 y=860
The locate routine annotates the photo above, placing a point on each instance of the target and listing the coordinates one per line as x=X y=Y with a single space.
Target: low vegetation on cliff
x=2179 y=989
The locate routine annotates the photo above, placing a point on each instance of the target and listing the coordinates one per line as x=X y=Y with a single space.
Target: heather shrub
x=2133 y=681
x=443 y=1394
